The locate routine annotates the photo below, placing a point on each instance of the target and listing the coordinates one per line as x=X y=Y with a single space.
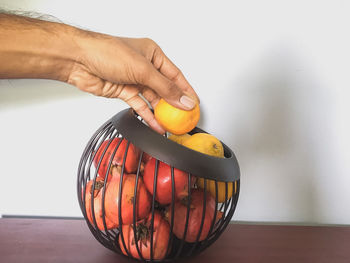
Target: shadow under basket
x=132 y=218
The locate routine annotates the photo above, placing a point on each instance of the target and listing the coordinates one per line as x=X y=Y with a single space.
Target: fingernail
x=187 y=102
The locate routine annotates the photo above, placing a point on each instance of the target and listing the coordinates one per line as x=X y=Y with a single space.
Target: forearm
x=31 y=48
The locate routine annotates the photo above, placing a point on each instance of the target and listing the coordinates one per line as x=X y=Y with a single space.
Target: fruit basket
x=147 y=197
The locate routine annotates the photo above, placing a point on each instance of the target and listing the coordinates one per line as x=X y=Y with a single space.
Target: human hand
x=103 y=65
x=124 y=68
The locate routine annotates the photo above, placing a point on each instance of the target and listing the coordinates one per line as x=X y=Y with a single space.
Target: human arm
x=103 y=65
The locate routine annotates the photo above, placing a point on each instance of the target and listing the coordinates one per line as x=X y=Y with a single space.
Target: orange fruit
x=180 y=139
x=175 y=120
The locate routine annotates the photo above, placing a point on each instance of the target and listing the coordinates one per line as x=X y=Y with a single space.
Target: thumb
x=168 y=90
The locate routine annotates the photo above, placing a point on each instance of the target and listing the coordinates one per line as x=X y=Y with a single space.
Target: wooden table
x=57 y=240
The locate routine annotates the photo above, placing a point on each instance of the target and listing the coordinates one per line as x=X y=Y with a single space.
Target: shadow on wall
x=21 y=92
x=273 y=136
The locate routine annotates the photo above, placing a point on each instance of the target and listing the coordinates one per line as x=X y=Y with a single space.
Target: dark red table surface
x=57 y=240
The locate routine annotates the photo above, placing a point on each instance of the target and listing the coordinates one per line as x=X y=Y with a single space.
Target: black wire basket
x=150 y=198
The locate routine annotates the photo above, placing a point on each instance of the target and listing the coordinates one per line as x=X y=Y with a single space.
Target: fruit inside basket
x=154 y=197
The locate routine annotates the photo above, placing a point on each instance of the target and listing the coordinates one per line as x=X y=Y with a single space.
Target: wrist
x=95 y=50
x=67 y=51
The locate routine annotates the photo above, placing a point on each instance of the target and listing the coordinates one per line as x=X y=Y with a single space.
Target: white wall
x=274 y=85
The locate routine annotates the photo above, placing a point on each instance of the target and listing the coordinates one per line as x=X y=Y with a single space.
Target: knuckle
x=152 y=50
x=150 y=42
x=157 y=58
x=177 y=75
x=117 y=90
x=142 y=107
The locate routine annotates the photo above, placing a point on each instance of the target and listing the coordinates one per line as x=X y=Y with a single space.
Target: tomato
x=131 y=161
x=164 y=182
x=97 y=200
x=161 y=232
x=195 y=216
x=112 y=202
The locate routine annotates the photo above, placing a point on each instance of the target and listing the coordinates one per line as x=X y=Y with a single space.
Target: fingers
x=141 y=107
x=152 y=52
x=168 y=69
x=152 y=97
x=167 y=89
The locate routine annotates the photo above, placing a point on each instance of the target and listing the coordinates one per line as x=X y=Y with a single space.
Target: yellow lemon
x=205 y=143
x=221 y=188
x=209 y=144
x=180 y=139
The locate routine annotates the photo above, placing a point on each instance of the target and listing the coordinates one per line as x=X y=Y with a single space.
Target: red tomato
x=143 y=202
x=164 y=182
x=131 y=161
x=97 y=199
x=161 y=232
x=195 y=216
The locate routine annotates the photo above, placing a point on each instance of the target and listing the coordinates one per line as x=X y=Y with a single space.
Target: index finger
x=141 y=107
